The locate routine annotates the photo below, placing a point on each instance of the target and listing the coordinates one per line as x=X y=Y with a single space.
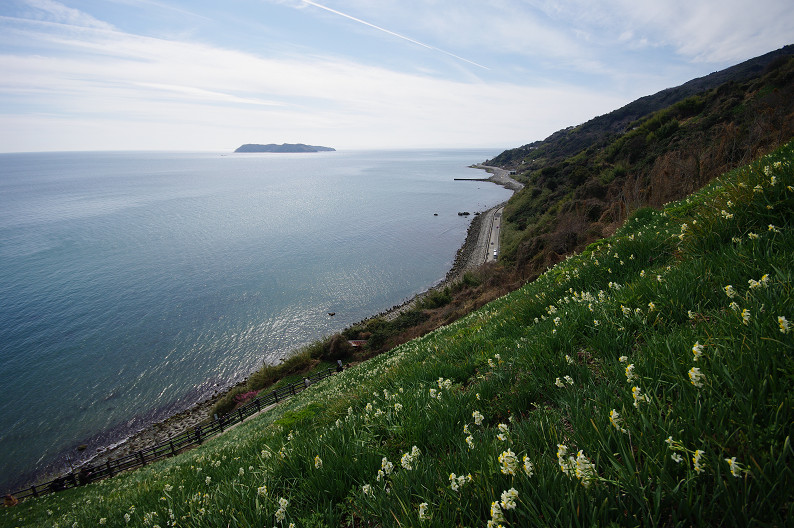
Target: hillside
x=602 y=129
x=646 y=381
x=570 y=200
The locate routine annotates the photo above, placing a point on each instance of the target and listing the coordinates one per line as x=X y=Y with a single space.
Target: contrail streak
x=334 y=11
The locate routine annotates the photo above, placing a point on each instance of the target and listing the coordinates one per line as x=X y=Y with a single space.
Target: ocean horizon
x=136 y=284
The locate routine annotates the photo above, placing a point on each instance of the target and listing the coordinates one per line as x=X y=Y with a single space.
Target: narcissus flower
x=615 y=419
x=456 y=482
x=567 y=465
x=736 y=471
x=509 y=499
x=696 y=377
x=423 y=515
x=697 y=350
x=407 y=459
x=585 y=470
x=282 y=509
x=496 y=512
x=470 y=441
x=529 y=467
x=504 y=432
x=509 y=462
x=386 y=466
x=697 y=461
x=636 y=392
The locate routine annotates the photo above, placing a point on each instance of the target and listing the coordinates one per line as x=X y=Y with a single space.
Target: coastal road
x=501 y=177
x=475 y=252
x=492 y=253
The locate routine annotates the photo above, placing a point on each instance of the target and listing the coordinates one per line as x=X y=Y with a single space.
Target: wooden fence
x=191 y=437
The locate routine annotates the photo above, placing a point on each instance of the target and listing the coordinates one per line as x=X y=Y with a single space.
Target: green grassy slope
x=646 y=381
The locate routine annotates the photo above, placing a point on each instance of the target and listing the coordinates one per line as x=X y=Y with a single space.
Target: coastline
x=470 y=255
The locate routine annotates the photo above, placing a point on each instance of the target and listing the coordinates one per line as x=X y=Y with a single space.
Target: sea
x=136 y=284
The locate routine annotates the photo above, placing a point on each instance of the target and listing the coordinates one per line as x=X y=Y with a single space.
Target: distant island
x=285 y=147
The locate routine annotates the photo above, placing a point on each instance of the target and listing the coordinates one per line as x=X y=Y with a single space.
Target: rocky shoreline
x=465 y=259
x=201 y=412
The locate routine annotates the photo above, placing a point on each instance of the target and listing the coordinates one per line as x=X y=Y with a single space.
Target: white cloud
x=116 y=84
x=81 y=74
x=53 y=11
x=392 y=33
x=714 y=31
x=495 y=25
x=711 y=31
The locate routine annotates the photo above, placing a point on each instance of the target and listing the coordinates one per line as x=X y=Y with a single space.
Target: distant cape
x=285 y=147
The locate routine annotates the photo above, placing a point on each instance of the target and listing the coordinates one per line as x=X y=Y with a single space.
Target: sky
x=204 y=75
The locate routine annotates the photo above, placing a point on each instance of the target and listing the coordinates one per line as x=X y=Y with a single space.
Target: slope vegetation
x=583 y=182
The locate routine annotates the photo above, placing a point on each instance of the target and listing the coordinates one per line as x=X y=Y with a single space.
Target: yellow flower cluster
x=509 y=462
x=408 y=459
x=615 y=420
x=580 y=467
x=456 y=482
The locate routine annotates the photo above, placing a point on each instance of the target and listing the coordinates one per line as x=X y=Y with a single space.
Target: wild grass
x=647 y=381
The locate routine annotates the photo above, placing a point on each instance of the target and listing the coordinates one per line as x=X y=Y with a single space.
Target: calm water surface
x=133 y=285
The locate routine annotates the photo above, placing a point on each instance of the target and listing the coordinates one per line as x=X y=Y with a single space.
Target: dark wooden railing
x=191 y=437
